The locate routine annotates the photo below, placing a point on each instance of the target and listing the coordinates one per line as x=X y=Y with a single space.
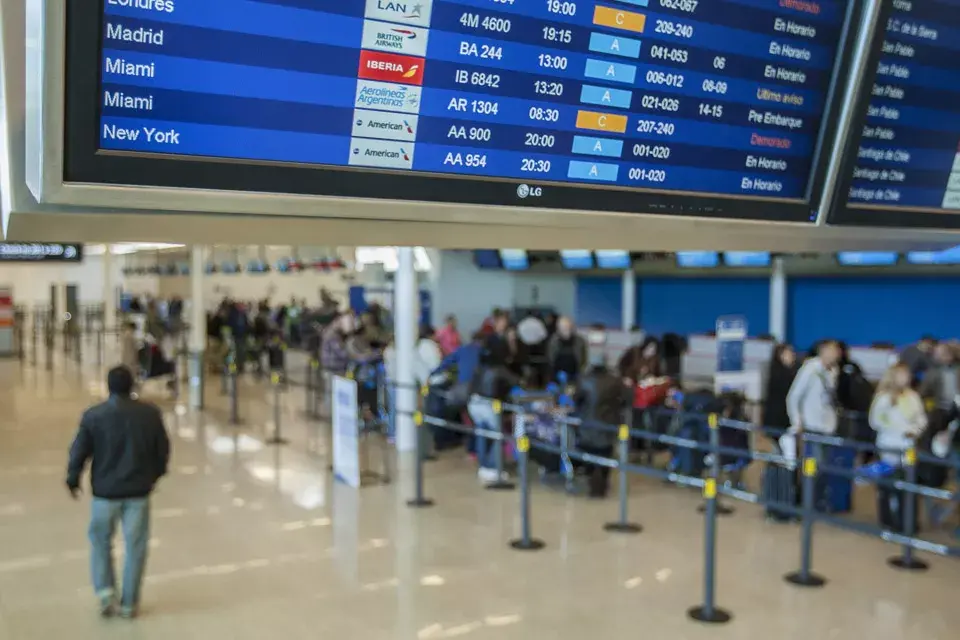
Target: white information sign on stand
x=346 y=430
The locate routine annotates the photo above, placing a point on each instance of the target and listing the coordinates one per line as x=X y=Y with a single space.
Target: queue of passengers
x=915 y=404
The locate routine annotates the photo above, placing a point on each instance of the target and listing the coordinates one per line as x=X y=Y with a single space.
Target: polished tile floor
x=252 y=541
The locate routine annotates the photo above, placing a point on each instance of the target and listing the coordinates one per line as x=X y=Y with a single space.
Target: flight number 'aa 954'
x=465 y=159
x=484 y=51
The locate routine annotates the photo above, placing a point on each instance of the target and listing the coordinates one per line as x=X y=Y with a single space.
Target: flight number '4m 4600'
x=487 y=23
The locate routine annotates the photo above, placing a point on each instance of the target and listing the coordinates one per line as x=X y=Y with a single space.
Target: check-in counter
x=699 y=363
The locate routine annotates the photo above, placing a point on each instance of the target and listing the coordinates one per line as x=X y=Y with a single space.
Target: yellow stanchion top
x=710 y=488
x=713 y=420
x=233 y=368
x=275 y=378
x=624 y=433
x=314 y=364
x=424 y=391
x=418 y=419
x=349 y=375
x=910 y=457
x=809 y=467
x=523 y=444
x=497 y=406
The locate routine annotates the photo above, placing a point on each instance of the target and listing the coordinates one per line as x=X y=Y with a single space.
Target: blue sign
x=731 y=337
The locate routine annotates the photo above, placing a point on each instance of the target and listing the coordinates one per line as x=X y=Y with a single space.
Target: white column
x=198 y=327
x=628 y=314
x=405 y=336
x=778 y=301
x=109 y=290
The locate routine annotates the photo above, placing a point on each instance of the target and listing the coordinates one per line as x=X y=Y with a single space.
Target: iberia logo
x=390 y=67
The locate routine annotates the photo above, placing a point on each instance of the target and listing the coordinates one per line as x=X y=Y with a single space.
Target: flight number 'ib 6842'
x=478 y=78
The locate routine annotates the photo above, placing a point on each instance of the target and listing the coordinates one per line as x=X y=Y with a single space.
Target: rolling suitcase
x=779 y=487
x=834 y=493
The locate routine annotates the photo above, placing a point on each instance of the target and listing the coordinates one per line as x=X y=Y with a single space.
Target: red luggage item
x=651 y=393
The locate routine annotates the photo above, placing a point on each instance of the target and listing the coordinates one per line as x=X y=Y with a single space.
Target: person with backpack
x=811 y=401
x=600 y=399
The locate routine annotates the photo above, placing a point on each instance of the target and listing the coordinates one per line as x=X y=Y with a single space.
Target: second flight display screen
x=705 y=96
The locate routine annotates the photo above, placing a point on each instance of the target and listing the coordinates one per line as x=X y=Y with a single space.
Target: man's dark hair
x=120 y=381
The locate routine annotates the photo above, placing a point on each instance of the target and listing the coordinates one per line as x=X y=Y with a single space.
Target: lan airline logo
x=415 y=12
x=389 y=67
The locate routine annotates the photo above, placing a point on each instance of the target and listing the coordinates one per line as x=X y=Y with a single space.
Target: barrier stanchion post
x=277 y=437
x=501 y=483
x=419 y=501
x=77 y=342
x=805 y=577
x=233 y=387
x=623 y=525
x=708 y=612
x=716 y=469
x=908 y=504
x=308 y=388
x=50 y=347
x=424 y=434
x=33 y=345
x=525 y=542
x=100 y=345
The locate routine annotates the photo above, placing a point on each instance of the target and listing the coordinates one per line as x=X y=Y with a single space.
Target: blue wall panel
x=691 y=305
x=599 y=299
x=862 y=310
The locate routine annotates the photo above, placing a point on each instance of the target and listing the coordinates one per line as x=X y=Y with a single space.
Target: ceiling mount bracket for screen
x=858 y=70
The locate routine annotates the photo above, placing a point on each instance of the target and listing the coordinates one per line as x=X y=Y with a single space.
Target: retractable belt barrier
x=810 y=467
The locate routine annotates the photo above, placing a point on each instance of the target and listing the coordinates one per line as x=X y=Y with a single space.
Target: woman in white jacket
x=897 y=414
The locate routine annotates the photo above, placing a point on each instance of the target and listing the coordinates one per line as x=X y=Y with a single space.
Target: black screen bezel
x=841 y=213
x=83 y=162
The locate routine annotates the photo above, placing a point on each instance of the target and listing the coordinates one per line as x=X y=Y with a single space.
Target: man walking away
x=128 y=445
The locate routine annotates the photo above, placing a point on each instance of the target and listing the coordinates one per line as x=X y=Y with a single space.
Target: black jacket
x=775 y=403
x=128 y=444
x=494 y=382
x=601 y=399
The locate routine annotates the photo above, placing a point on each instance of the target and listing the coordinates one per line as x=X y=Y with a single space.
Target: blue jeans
x=484 y=417
x=134 y=518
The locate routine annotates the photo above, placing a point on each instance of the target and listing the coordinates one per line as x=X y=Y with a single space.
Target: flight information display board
x=718 y=97
x=908 y=159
